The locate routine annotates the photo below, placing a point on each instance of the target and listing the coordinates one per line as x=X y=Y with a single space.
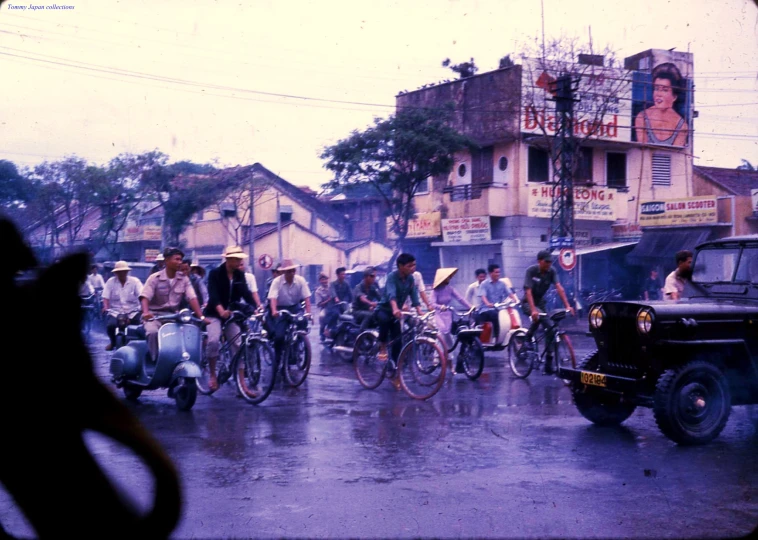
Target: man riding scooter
x=366 y=297
x=162 y=295
x=120 y=297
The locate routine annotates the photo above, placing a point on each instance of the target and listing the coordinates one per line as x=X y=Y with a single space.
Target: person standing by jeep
x=674 y=286
x=537 y=282
x=651 y=289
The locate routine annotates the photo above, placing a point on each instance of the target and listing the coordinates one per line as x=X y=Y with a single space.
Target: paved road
x=498 y=457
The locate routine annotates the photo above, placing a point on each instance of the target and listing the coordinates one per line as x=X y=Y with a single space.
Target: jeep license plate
x=594 y=379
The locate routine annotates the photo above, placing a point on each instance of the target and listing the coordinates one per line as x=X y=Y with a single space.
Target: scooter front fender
x=189 y=370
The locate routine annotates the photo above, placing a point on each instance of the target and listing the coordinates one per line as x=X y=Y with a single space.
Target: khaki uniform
x=163 y=299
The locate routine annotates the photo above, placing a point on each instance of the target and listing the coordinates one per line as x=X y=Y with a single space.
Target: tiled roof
x=348 y=245
x=736 y=181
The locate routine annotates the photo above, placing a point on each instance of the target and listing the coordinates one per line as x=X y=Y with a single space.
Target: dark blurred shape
x=51 y=396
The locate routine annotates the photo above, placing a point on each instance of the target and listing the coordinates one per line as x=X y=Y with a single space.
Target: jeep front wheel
x=692 y=403
x=600 y=409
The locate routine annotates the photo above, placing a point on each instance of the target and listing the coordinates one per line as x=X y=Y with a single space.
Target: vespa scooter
x=177 y=365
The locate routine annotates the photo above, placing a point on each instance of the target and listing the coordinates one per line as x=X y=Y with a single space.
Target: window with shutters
x=482 y=165
x=615 y=169
x=539 y=169
x=661 y=169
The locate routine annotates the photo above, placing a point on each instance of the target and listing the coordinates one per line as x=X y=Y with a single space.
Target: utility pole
x=564 y=153
x=279 y=226
x=563 y=157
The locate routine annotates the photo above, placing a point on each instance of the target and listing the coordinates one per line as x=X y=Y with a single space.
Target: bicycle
x=421 y=365
x=296 y=350
x=523 y=355
x=471 y=356
x=253 y=367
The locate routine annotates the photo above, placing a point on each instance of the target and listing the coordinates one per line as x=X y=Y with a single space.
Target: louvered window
x=661 y=170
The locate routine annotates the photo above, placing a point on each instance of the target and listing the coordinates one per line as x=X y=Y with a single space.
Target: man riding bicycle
x=537 y=282
x=493 y=291
x=226 y=285
x=287 y=291
x=399 y=287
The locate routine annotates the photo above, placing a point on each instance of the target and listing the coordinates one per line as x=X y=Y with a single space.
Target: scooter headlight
x=596 y=317
x=645 y=320
x=185 y=317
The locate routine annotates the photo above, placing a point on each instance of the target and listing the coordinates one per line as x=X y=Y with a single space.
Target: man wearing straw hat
x=160 y=264
x=226 y=285
x=287 y=291
x=120 y=295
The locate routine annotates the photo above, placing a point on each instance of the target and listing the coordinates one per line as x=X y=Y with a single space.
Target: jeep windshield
x=726 y=265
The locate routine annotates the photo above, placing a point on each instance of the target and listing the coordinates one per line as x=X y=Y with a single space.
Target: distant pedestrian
x=473 y=293
x=675 y=281
x=651 y=289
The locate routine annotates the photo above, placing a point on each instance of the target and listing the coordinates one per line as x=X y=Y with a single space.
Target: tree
x=396 y=156
x=506 y=62
x=68 y=193
x=464 y=69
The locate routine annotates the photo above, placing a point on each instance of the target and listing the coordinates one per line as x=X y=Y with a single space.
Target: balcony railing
x=468 y=192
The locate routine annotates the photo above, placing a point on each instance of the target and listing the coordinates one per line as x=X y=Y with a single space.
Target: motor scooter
x=177 y=365
x=343 y=336
x=509 y=317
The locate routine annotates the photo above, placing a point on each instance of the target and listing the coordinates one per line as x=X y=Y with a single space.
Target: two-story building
x=496 y=204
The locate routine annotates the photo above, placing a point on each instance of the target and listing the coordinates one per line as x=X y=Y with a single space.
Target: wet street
x=499 y=457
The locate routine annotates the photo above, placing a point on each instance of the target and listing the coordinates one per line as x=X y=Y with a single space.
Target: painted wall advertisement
x=651 y=104
x=679 y=212
x=424 y=225
x=591 y=203
x=466 y=229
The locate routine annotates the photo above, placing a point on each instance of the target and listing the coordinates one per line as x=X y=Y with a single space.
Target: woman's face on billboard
x=663 y=94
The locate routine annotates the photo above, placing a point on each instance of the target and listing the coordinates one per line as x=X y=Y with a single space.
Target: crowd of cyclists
x=177 y=283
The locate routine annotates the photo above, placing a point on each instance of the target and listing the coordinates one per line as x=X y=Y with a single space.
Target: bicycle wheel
x=565 y=354
x=255 y=366
x=297 y=361
x=368 y=368
x=520 y=358
x=422 y=366
x=471 y=358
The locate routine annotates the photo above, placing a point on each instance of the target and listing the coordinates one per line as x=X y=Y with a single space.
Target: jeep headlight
x=596 y=317
x=645 y=320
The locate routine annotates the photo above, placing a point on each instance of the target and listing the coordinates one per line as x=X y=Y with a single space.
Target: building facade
x=496 y=204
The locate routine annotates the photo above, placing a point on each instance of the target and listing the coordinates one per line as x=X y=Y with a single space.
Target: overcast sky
x=94 y=80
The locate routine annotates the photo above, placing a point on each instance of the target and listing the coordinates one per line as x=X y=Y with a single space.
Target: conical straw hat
x=443 y=274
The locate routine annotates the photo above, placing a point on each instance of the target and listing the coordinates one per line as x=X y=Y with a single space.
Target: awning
x=602 y=247
x=658 y=246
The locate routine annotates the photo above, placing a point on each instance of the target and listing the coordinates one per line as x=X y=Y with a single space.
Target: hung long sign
x=597 y=204
x=679 y=212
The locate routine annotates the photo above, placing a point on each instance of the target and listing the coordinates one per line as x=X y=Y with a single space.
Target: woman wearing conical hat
x=443 y=294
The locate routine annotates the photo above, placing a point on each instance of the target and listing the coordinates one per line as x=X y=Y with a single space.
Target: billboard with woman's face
x=661 y=105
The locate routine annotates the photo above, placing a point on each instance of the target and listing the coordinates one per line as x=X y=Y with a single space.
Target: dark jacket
x=219 y=291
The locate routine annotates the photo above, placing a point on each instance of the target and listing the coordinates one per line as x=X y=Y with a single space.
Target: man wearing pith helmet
x=120 y=295
x=226 y=286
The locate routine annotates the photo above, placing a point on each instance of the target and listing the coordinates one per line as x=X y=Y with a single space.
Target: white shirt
x=474 y=294
x=96 y=281
x=123 y=298
x=289 y=295
x=252 y=284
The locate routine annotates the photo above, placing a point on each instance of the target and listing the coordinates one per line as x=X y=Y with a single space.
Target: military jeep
x=689 y=360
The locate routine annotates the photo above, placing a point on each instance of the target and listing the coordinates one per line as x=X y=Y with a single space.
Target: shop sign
x=466 y=229
x=679 y=212
x=142 y=233
x=598 y=204
x=425 y=225
x=626 y=232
